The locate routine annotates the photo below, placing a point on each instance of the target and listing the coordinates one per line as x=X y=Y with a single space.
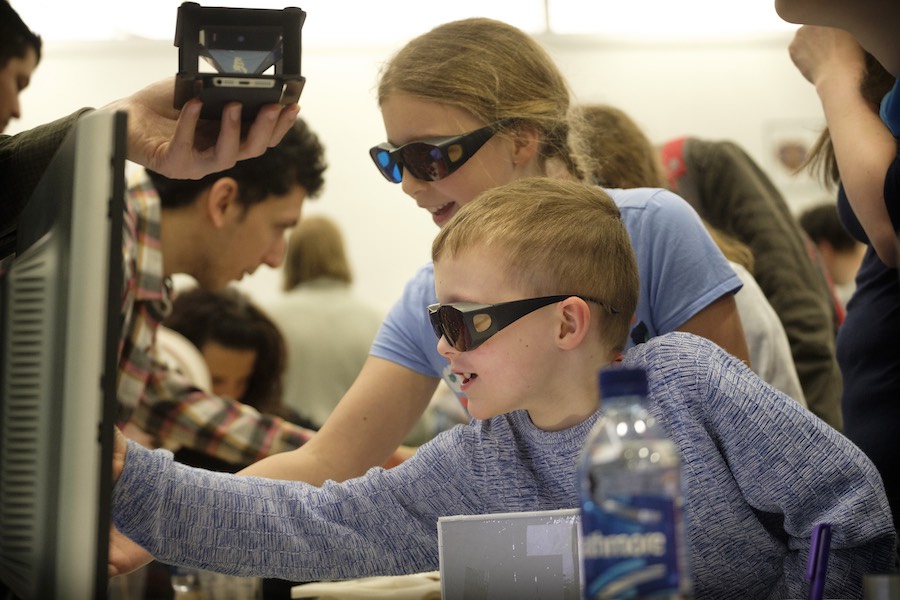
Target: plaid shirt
x=159 y=400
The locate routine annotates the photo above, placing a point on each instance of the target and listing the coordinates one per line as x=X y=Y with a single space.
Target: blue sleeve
x=760 y=471
x=682 y=271
x=383 y=523
x=406 y=336
x=783 y=458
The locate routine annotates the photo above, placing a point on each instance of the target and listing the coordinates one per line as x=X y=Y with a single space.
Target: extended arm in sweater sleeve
x=384 y=523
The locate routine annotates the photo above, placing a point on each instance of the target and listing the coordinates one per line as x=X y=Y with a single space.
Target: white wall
x=747 y=92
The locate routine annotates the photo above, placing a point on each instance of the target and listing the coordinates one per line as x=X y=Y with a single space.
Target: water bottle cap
x=620 y=381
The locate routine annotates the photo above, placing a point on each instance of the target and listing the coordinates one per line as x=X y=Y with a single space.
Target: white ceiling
x=360 y=22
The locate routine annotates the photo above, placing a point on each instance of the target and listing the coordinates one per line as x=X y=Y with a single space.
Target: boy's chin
x=477 y=411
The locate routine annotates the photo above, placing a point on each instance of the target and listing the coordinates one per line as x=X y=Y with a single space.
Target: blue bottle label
x=630 y=547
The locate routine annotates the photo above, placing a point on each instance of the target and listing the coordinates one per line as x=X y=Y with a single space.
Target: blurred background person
x=627 y=159
x=858 y=153
x=242 y=349
x=840 y=252
x=327 y=327
x=732 y=192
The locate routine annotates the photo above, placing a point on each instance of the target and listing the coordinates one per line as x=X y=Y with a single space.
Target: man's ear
x=574 y=322
x=222 y=200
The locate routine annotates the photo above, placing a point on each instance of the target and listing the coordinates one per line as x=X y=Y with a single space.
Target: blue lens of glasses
x=389 y=168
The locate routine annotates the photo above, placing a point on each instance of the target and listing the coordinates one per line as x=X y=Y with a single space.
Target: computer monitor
x=59 y=335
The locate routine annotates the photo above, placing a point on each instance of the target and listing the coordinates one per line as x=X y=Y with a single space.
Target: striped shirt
x=158 y=400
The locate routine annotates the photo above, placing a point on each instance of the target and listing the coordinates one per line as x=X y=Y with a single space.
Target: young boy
x=537 y=283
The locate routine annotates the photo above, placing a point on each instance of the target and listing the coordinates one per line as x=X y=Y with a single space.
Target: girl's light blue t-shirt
x=681 y=272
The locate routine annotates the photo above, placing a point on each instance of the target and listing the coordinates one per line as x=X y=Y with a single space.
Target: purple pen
x=817 y=564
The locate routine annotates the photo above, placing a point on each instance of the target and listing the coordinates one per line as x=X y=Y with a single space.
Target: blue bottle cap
x=621 y=381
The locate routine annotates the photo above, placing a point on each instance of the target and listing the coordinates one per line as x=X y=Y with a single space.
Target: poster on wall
x=786 y=144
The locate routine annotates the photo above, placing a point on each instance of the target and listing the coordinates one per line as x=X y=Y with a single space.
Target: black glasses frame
x=467 y=325
x=434 y=158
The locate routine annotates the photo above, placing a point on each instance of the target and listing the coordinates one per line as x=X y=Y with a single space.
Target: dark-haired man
x=215 y=229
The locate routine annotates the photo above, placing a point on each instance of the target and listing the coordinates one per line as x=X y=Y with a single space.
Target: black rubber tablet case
x=254 y=40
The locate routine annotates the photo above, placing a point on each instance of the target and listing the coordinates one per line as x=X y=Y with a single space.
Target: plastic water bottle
x=630 y=486
x=186 y=583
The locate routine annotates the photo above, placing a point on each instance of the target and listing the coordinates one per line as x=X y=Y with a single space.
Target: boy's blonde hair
x=559 y=237
x=492 y=70
x=315 y=249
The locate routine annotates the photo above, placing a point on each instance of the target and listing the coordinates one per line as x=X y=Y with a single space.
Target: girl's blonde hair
x=494 y=71
x=559 y=237
x=315 y=249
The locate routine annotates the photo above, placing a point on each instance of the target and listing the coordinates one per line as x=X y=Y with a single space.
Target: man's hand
x=177 y=144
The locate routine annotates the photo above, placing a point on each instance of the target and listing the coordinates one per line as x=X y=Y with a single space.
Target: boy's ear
x=574 y=322
x=221 y=200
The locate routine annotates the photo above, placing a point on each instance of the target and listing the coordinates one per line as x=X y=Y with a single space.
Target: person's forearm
x=864 y=149
x=365 y=429
x=288 y=465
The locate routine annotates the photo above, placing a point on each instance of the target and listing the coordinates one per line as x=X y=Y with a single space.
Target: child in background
x=536 y=296
x=841 y=254
x=327 y=327
x=243 y=353
x=243 y=350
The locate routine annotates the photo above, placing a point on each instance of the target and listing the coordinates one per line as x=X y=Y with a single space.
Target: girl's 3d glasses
x=434 y=158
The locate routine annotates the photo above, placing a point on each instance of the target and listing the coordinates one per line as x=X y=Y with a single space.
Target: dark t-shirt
x=868 y=351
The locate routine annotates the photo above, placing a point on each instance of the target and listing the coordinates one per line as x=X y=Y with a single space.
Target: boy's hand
x=124 y=555
x=178 y=145
x=120 y=449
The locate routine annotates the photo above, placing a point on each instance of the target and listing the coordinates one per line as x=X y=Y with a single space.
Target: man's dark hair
x=298 y=159
x=15 y=37
x=822 y=224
